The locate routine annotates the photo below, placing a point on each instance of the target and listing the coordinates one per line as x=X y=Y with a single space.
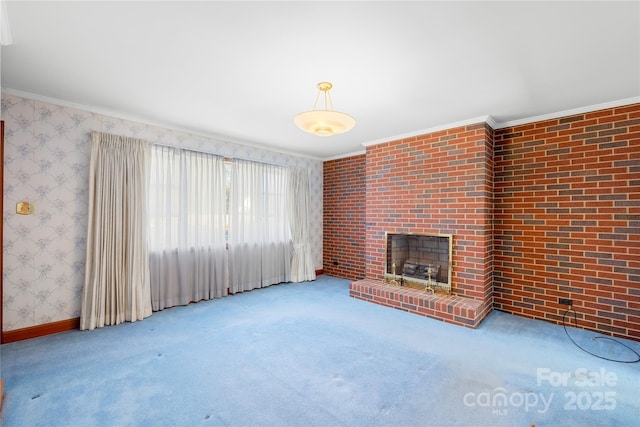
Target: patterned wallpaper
x=47 y=150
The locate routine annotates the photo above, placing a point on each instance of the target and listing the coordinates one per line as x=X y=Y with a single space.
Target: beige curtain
x=116 y=285
x=302 y=266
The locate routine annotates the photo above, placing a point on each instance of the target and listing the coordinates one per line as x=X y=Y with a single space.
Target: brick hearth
x=449 y=308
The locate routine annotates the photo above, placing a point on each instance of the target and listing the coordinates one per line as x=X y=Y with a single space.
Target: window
x=200 y=205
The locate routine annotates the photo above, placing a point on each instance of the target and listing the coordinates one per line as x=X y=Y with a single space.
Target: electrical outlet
x=565 y=301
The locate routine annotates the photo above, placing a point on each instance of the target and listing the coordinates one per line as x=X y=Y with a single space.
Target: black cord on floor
x=597 y=337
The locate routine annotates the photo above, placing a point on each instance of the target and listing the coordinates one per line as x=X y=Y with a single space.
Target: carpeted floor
x=308 y=355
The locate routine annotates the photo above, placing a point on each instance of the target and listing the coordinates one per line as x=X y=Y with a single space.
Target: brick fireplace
x=437 y=183
x=563 y=196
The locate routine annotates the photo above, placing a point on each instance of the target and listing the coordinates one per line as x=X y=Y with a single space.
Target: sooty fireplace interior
x=419 y=260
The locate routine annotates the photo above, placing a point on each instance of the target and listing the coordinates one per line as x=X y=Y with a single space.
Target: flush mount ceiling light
x=325 y=122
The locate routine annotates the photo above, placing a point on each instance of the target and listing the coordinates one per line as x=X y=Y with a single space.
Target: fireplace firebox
x=421 y=261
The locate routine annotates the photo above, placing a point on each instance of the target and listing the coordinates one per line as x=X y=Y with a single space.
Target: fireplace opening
x=422 y=261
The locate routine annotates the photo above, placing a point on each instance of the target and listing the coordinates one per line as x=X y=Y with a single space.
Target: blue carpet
x=308 y=355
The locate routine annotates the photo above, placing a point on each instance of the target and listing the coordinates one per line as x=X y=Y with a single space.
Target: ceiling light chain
x=324 y=88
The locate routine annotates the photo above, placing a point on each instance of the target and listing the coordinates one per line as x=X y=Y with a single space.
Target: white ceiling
x=242 y=70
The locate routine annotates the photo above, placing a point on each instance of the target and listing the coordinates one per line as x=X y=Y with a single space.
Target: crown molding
x=494 y=124
x=491 y=122
x=345 y=155
x=148 y=122
x=488 y=119
x=482 y=119
x=571 y=112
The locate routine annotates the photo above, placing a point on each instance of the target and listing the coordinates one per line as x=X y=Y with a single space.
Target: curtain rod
x=192 y=150
x=218 y=155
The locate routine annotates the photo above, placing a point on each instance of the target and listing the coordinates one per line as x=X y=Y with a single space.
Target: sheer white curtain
x=187 y=208
x=302 y=266
x=259 y=233
x=116 y=285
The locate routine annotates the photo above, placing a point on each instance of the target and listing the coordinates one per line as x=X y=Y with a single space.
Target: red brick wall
x=563 y=196
x=344 y=218
x=435 y=183
x=567 y=219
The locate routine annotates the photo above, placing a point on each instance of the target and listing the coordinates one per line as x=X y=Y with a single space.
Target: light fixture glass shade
x=325 y=122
